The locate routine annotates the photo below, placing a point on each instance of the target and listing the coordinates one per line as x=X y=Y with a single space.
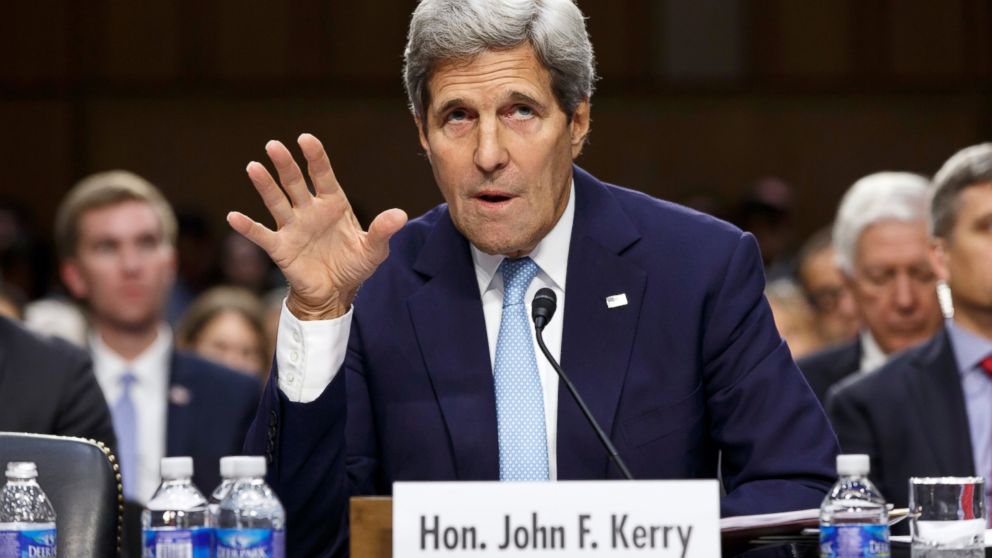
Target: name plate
x=595 y=518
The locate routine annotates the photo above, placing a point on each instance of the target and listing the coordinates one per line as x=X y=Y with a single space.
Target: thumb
x=383 y=227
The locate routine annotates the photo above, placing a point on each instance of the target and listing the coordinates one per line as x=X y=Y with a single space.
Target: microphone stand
x=582 y=405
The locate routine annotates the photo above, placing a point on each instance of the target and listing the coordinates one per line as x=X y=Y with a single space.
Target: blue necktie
x=523 y=442
x=126 y=428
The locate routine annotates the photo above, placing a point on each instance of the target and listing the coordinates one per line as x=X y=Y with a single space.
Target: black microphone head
x=543 y=307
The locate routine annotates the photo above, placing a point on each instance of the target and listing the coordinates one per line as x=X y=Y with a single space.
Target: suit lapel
x=935 y=385
x=597 y=340
x=451 y=331
x=180 y=423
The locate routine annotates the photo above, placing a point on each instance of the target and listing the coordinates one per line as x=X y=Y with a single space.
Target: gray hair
x=883 y=196
x=445 y=30
x=970 y=166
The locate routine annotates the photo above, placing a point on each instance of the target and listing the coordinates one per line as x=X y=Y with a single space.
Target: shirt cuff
x=309 y=353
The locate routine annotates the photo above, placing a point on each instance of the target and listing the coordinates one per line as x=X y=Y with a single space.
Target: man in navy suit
x=418 y=375
x=116 y=233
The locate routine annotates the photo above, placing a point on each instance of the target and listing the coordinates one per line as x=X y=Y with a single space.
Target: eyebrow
x=515 y=97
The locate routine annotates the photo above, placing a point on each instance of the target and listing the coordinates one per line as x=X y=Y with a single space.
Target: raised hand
x=318 y=243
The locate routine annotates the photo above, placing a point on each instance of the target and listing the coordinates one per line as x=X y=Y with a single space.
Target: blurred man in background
x=834 y=309
x=927 y=412
x=881 y=239
x=115 y=234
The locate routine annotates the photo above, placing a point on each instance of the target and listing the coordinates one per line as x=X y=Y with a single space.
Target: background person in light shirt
x=926 y=412
x=115 y=234
x=881 y=241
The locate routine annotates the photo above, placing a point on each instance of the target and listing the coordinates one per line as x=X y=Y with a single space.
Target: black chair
x=82 y=481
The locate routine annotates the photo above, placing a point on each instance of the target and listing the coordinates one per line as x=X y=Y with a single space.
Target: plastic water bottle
x=174 y=523
x=27 y=519
x=854 y=521
x=224 y=488
x=250 y=521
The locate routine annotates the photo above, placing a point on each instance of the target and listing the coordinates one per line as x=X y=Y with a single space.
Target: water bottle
x=27 y=519
x=174 y=523
x=250 y=521
x=222 y=490
x=854 y=521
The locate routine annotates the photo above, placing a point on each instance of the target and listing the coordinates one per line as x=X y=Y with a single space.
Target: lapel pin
x=179 y=395
x=617 y=300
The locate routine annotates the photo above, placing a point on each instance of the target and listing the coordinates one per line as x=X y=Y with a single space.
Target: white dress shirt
x=309 y=353
x=872 y=355
x=149 y=392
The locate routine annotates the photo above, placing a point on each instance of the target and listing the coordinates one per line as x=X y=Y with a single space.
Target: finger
x=270 y=192
x=253 y=231
x=318 y=165
x=289 y=173
x=383 y=227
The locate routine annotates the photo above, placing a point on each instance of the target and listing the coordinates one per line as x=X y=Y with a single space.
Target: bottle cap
x=177 y=467
x=22 y=470
x=229 y=465
x=853 y=464
x=248 y=466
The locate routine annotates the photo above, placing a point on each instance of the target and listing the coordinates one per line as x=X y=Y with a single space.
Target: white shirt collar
x=550 y=254
x=872 y=355
x=147 y=368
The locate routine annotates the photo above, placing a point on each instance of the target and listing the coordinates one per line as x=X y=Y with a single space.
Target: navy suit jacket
x=692 y=366
x=909 y=416
x=827 y=367
x=210 y=410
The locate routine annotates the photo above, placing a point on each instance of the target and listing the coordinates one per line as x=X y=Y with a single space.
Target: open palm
x=318 y=243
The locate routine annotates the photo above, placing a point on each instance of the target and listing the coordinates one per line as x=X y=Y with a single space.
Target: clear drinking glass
x=947 y=516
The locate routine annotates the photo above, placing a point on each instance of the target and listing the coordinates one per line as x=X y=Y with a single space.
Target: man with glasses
x=880 y=238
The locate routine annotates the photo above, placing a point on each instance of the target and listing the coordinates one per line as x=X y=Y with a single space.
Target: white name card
x=589 y=518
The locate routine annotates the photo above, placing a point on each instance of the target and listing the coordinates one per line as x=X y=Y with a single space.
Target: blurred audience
x=242 y=264
x=195 y=252
x=766 y=213
x=880 y=235
x=926 y=413
x=834 y=309
x=11 y=303
x=57 y=318
x=227 y=325
x=793 y=316
x=116 y=236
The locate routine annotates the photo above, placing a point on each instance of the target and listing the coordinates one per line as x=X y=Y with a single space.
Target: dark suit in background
x=47 y=386
x=909 y=416
x=692 y=366
x=827 y=367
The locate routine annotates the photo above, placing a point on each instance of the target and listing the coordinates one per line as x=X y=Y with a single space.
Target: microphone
x=542 y=309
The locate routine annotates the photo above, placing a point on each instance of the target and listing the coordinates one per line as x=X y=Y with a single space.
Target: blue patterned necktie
x=125 y=426
x=523 y=442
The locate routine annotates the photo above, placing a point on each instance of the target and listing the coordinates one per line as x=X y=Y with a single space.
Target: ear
x=73 y=278
x=422 y=133
x=579 y=127
x=939 y=259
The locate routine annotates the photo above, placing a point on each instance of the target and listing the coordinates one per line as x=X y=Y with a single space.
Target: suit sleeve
x=777 y=448
x=83 y=410
x=316 y=454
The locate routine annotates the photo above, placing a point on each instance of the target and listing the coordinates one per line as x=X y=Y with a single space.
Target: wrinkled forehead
x=489 y=73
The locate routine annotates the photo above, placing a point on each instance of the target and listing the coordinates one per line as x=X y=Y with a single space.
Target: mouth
x=493 y=197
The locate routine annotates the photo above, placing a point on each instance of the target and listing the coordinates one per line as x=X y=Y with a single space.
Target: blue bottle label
x=854 y=541
x=250 y=543
x=28 y=543
x=177 y=543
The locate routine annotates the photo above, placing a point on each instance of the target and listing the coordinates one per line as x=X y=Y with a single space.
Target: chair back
x=82 y=481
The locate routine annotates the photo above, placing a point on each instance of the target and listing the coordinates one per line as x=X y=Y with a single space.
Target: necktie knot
x=127 y=380
x=517 y=275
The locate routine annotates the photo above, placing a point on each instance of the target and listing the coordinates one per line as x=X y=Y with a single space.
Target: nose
x=905 y=296
x=490 y=152
x=130 y=260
